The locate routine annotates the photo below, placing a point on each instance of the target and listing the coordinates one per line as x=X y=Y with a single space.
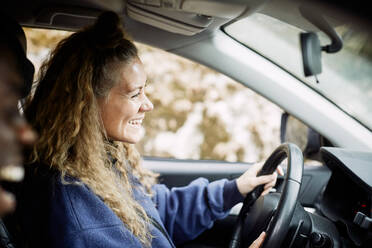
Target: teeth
x=12 y=173
x=135 y=122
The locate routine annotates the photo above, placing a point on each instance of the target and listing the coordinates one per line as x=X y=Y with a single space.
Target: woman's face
x=124 y=108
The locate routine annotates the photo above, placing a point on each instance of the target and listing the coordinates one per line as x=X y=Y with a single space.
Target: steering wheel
x=278 y=226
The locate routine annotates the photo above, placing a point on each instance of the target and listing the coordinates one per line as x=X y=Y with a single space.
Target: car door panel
x=176 y=173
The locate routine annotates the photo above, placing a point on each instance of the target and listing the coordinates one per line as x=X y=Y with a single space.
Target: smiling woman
x=73 y=140
x=88 y=109
x=123 y=110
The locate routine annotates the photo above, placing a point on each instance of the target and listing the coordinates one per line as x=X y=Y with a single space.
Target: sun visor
x=187 y=17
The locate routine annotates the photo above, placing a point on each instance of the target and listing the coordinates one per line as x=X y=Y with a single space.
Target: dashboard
x=348 y=193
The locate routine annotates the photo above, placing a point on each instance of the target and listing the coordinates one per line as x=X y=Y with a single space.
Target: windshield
x=346 y=77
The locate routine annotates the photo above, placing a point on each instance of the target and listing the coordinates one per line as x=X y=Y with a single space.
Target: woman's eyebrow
x=140 y=86
x=135 y=88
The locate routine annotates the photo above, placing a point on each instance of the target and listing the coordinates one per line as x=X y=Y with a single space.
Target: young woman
x=89 y=189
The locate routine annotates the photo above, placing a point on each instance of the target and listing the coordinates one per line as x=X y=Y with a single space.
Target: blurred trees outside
x=198 y=112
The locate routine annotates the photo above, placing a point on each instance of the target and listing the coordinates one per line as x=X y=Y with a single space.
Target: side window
x=307 y=139
x=40 y=42
x=202 y=114
x=198 y=113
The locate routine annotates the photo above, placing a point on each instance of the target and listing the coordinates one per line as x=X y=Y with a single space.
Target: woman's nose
x=147 y=105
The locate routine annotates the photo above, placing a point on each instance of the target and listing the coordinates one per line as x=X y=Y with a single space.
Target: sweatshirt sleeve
x=188 y=211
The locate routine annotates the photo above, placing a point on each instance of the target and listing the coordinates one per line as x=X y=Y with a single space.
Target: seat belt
x=5 y=241
x=156 y=224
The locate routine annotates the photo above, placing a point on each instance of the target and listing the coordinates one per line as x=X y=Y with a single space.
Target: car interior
x=312 y=206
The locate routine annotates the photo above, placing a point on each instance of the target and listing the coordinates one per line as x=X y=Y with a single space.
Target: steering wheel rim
x=279 y=224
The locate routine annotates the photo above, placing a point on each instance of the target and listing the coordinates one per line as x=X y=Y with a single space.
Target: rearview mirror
x=311 y=54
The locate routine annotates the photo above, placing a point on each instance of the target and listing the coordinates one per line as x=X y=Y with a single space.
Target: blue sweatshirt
x=76 y=217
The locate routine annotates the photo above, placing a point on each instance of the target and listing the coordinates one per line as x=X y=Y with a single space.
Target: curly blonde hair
x=65 y=113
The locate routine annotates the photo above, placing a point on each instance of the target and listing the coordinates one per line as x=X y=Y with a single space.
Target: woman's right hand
x=258 y=242
x=249 y=180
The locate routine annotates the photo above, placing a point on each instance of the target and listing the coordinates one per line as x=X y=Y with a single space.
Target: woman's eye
x=136 y=95
x=142 y=89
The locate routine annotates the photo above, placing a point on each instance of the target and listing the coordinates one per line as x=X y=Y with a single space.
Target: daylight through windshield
x=347 y=76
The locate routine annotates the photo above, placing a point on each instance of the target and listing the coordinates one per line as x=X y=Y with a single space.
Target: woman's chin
x=133 y=137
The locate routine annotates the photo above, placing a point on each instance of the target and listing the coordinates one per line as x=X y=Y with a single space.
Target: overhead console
x=187 y=17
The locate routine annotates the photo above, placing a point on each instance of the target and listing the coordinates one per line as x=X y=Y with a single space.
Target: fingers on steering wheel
x=270 y=184
x=267 y=189
x=268 y=180
x=280 y=170
x=265 y=179
x=258 y=242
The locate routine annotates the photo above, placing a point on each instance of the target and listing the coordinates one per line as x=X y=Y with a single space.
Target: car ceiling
x=78 y=13
x=36 y=14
